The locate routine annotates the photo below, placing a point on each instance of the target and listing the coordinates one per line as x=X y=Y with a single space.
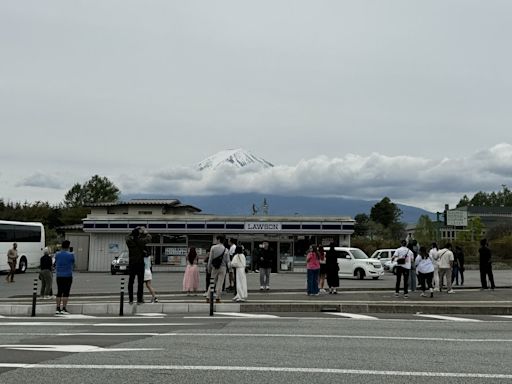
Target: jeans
x=412 y=280
x=265 y=277
x=399 y=272
x=448 y=273
x=486 y=271
x=455 y=275
x=136 y=270
x=313 y=275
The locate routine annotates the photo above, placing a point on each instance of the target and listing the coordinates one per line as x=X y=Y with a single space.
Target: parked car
x=383 y=255
x=353 y=262
x=390 y=266
x=120 y=263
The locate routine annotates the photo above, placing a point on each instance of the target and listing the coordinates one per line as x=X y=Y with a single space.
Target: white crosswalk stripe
x=353 y=316
x=448 y=318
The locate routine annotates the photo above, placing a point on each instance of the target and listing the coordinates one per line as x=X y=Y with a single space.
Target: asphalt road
x=299 y=348
x=95 y=283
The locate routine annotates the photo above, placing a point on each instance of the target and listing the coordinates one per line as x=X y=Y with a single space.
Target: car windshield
x=358 y=254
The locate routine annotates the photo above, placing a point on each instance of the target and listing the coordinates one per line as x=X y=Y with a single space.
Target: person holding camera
x=136 y=243
x=403 y=257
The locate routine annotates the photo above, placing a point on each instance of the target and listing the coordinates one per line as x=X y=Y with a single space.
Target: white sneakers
x=451 y=291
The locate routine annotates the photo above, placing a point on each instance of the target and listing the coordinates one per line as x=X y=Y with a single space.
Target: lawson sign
x=263 y=227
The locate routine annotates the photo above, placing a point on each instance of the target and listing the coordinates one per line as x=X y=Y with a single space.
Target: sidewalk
x=98 y=294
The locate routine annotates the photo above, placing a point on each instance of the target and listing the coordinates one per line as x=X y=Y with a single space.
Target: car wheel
x=360 y=274
x=22 y=267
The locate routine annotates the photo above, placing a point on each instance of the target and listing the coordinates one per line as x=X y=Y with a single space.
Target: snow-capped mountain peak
x=239 y=158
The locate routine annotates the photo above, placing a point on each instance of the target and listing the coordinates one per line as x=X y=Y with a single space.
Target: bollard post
x=212 y=288
x=121 y=299
x=34 y=298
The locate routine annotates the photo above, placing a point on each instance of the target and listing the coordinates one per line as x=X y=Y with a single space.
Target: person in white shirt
x=425 y=269
x=445 y=267
x=403 y=257
x=434 y=255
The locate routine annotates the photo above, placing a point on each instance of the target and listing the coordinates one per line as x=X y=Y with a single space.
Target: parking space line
x=448 y=318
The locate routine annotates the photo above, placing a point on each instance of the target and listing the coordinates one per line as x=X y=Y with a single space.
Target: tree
x=96 y=190
x=474 y=230
x=361 y=226
x=425 y=231
x=385 y=212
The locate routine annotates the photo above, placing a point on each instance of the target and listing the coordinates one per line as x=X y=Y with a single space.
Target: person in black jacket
x=485 y=264
x=45 y=274
x=458 y=266
x=333 y=268
x=265 y=265
x=136 y=243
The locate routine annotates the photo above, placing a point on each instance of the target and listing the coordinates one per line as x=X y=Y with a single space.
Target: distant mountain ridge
x=241 y=204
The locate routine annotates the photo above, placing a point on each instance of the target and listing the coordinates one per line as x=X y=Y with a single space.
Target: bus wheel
x=22 y=268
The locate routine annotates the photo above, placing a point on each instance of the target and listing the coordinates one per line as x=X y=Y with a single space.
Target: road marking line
x=151 y=314
x=504 y=316
x=260 y=369
x=136 y=324
x=353 y=316
x=247 y=315
x=70 y=348
x=252 y=335
x=449 y=318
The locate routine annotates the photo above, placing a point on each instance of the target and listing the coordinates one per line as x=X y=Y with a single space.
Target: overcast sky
x=410 y=99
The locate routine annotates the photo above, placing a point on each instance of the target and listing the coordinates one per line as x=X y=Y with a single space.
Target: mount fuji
x=239 y=158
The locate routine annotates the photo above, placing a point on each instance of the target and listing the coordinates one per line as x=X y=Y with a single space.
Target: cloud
x=41 y=180
x=415 y=180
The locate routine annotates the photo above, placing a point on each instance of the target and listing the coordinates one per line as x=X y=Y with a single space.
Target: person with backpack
x=218 y=264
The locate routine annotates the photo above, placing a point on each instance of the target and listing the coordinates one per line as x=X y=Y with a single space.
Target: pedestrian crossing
x=276 y=316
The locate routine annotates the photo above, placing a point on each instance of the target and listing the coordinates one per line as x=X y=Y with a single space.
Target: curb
x=203 y=308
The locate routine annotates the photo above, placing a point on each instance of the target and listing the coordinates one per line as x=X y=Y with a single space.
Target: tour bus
x=30 y=239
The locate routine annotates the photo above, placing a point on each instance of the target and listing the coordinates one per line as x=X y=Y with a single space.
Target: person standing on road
x=148 y=277
x=446 y=259
x=458 y=266
x=191 y=276
x=232 y=243
x=331 y=263
x=218 y=264
x=425 y=270
x=12 y=258
x=485 y=265
x=45 y=274
x=413 y=246
x=323 y=268
x=434 y=255
x=313 y=268
x=64 y=264
x=265 y=265
x=403 y=257
x=136 y=243
x=238 y=264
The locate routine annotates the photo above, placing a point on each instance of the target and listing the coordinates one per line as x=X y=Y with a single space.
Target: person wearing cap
x=45 y=274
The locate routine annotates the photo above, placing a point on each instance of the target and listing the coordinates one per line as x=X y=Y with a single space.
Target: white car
x=383 y=255
x=354 y=262
x=390 y=266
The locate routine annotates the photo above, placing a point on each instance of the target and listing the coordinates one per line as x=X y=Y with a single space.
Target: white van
x=353 y=262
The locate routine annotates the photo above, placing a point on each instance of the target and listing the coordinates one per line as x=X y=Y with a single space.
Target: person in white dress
x=238 y=263
x=148 y=276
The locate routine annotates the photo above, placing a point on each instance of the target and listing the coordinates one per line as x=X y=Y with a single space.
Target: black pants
x=486 y=270
x=136 y=270
x=426 y=278
x=399 y=272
